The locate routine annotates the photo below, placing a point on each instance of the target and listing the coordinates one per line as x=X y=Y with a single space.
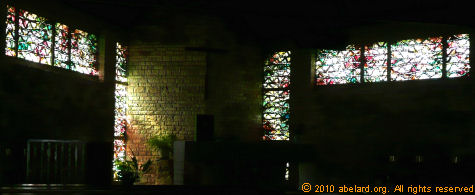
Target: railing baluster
x=55 y=161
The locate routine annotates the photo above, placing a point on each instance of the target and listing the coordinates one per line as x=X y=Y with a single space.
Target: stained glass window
x=121 y=65
x=416 y=59
x=120 y=109
x=119 y=154
x=458 y=55
x=121 y=121
x=61 y=46
x=276 y=96
x=338 y=67
x=10 y=44
x=35 y=35
x=276 y=114
x=83 y=52
x=73 y=49
x=376 y=57
x=277 y=71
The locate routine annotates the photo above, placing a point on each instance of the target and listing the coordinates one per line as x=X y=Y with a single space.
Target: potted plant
x=163 y=145
x=129 y=171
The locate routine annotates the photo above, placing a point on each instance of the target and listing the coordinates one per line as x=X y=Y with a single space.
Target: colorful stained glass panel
x=277 y=71
x=121 y=63
x=61 y=46
x=121 y=121
x=376 y=57
x=416 y=59
x=338 y=67
x=276 y=97
x=120 y=110
x=276 y=115
x=119 y=155
x=10 y=32
x=35 y=38
x=83 y=52
x=119 y=149
x=458 y=55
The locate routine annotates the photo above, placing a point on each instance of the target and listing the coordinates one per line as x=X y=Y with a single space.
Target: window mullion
x=70 y=44
x=444 y=57
x=17 y=31
x=388 y=69
x=4 y=15
x=362 y=63
x=53 y=42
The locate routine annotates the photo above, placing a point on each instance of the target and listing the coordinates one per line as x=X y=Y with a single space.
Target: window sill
x=13 y=61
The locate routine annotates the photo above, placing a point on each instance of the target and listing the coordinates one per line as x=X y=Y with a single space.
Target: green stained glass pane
x=83 y=52
x=34 y=38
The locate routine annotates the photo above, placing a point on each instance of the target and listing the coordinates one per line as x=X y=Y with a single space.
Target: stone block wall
x=166 y=92
x=234 y=93
x=198 y=65
x=51 y=103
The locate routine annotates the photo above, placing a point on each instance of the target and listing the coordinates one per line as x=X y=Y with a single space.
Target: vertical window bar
x=362 y=63
x=53 y=40
x=56 y=164
x=471 y=42
x=70 y=64
x=17 y=26
x=48 y=162
x=76 y=167
x=389 y=68
x=95 y=66
x=34 y=175
x=70 y=159
x=4 y=15
x=42 y=168
x=83 y=160
x=59 y=163
x=445 y=45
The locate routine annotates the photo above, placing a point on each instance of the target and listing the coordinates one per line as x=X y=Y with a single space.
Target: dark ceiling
x=288 y=18
x=334 y=11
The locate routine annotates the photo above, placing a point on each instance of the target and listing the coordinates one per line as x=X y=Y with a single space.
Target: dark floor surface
x=141 y=190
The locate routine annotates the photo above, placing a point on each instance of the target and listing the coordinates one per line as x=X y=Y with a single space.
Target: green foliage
x=129 y=170
x=162 y=144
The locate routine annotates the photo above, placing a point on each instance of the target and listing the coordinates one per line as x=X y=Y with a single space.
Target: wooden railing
x=55 y=161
